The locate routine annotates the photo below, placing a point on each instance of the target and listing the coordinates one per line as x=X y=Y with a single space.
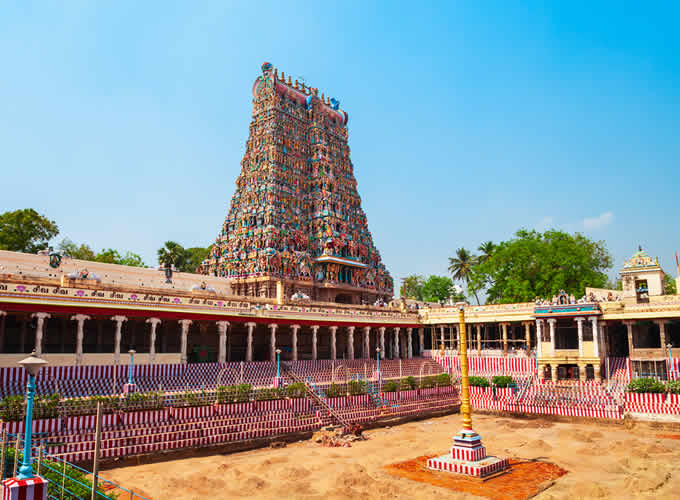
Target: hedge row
x=642 y=385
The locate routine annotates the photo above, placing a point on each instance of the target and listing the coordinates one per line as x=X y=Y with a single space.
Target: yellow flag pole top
x=465 y=381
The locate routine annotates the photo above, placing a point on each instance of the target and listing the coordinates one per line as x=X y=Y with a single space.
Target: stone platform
x=468 y=456
x=478 y=468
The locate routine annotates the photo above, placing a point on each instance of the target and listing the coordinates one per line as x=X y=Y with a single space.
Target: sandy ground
x=603 y=462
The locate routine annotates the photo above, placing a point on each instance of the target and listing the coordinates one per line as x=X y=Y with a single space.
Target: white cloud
x=602 y=220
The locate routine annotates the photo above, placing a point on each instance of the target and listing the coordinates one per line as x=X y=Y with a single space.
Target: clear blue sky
x=126 y=121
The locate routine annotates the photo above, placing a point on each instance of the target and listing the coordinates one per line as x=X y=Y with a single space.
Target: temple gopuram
x=295 y=227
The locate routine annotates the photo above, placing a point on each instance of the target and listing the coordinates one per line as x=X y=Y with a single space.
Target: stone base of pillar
x=468 y=457
x=34 y=488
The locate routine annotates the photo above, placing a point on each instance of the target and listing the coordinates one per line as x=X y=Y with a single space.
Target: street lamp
x=131 y=352
x=278 y=360
x=377 y=354
x=32 y=365
x=670 y=356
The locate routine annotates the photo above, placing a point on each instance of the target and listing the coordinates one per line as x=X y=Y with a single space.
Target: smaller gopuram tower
x=295 y=219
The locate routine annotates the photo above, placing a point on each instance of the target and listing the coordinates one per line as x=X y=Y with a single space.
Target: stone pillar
x=409 y=342
x=367 y=342
x=249 y=346
x=395 y=354
x=596 y=372
x=552 y=322
x=184 y=325
x=553 y=370
x=527 y=336
x=441 y=337
x=381 y=330
x=581 y=372
x=315 y=329
x=579 y=322
x=333 y=330
x=222 y=343
x=295 y=329
x=350 y=342
x=22 y=334
x=629 y=327
x=479 y=339
x=662 y=333
x=80 y=318
x=272 y=341
x=455 y=338
x=504 y=327
x=539 y=338
x=116 y=339
x=39 y=330
x=421 y=340
x=596 y=343
x=3 y=315
x=154 y=322
x=604 y=350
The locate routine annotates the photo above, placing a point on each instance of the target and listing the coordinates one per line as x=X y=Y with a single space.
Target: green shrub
x=356 y=387
x=333 y=391
x=389 y=386
x=296 y=390
x=502 y=380
x=428 y=382
x=646 y=385
x=673 y=386
x=479 y=382
x=443 y=380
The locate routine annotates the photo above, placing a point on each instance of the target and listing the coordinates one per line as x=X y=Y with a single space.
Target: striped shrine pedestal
x=468 y=457
x=34 y=488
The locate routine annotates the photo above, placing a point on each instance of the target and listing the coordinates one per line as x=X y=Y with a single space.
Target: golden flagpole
x=465 y=381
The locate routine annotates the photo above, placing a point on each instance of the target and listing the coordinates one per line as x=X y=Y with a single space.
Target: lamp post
x=278 y=362
x=670 y=356
x=32 y=365
x=377 y=353
x=131 y=352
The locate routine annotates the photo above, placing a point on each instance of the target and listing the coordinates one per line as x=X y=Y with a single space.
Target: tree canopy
x=107 y=255
x=412 y=287
x=441 y=289
x=541 y=264
x=26 y=230
x=669 y=287
x=187 y=260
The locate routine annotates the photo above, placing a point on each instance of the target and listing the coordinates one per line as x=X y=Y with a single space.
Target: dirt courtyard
x=603 y=461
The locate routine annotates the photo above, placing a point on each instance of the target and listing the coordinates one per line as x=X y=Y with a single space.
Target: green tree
x=669 y=287
x=108 y=256
x=172 y=253
x=440 y=288
x=26 y=230
x=461 y=267
x=132 y=260
x=194 y=258
x=412 y=287
x=486 y=250
x=82 y=252
x=541 y=264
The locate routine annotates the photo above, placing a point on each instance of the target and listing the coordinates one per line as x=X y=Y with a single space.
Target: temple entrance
x=617 y=340
x=567 y=372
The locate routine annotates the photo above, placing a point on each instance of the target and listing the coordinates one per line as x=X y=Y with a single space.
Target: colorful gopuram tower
x=296 y=221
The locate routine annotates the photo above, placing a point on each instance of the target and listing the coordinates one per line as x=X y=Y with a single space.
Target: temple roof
x=641 y=260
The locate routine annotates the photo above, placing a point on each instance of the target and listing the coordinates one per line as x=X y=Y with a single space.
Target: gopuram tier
x=295 y=220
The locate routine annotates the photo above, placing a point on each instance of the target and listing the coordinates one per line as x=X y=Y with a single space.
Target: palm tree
x=461 y=266
x=487 y=249
x=172 y=253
